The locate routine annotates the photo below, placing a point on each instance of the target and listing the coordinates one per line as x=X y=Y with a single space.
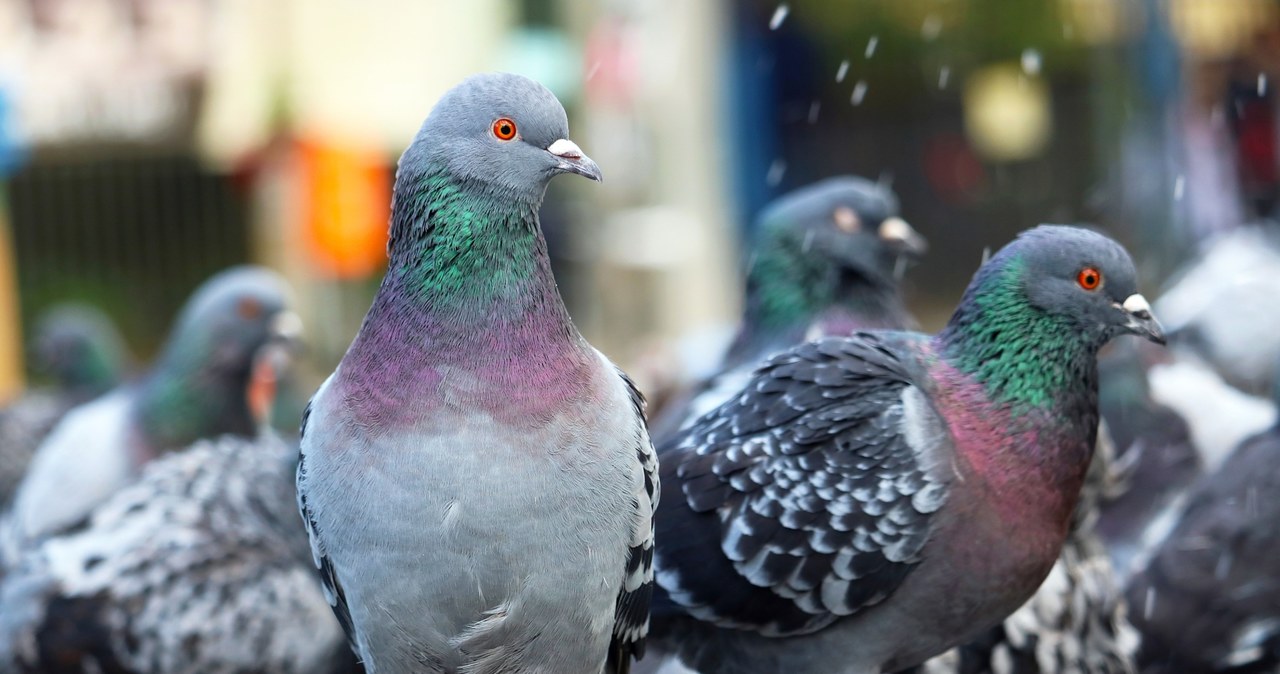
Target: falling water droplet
x=814 y=107
x=807 y=244
x=591 y=72
x=932 y=27
x=871 y=46
x=1031 y=62
x=1149 y=603
x=1179 y=185
x=986 y=254
x=1262 y=84
x=859 y=92
x=776 y=170
x=944 y=75
x=842 y=71
x=779 y=15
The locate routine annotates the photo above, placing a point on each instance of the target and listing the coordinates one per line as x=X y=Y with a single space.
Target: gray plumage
x=202 y=566
x=1208 y=598
x=477 y=480
x=79 y=355
x=1236 y=275
x=828 y=260
x=866 y=503
x=196 y=389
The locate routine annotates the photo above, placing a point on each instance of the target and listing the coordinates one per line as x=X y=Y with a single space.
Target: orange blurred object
x=345 y=204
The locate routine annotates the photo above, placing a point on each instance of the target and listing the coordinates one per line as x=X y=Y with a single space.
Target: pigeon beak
x=1141 y=321
x=897 y=232
x=286 y=328
x=572 y=160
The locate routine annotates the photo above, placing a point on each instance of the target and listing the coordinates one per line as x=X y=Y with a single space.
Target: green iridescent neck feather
x=789 y=286
x=1023 y=356
x=459 y=245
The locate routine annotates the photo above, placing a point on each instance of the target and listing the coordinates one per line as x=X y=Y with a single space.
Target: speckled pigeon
x=196 y=389
x=477 y=479
x=828 y=262
x=78 y=351
x=866 y=503
x=1208 y=599
x=194 y=568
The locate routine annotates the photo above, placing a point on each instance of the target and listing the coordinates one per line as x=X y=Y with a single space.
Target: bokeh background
x=145 y=144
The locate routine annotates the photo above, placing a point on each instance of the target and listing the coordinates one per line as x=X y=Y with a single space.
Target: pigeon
x=196 y=389
x=1237 y=275
x=1077 y=621
x=868 y=502
x=78 y=350
x=1154 y=452
x=827 y=262
x=477 y=480
x=201 y=565
x=1208 y=599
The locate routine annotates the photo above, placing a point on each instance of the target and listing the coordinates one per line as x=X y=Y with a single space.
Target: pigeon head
x=79 y=348
x=1084 y=278
x=199 y=385
x=229 y=318
x=847 y=224
x=1035 y=315
x=501 y=130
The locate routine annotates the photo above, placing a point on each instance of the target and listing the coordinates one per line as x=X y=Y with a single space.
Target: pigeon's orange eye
x=504 y=128
x=249 y=308
x=1089 y=278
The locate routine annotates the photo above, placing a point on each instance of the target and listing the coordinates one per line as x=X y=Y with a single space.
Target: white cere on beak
x=1137 y=305
x=896 y=229
x=287 y=324
x=565 y=148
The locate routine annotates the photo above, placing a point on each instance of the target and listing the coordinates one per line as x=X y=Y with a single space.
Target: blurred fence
x=133 y=234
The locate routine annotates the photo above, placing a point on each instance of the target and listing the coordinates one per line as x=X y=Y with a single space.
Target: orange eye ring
x=504 y=128
x=1089 y=278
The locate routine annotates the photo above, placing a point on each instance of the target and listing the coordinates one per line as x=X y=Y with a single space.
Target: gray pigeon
x=478 y=480
x=866 y=503
x=196 y=389
x=79 y=353
x=827 y=263
x=1208 y=597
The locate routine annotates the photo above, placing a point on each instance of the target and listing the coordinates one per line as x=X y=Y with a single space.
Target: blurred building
x=156 y=141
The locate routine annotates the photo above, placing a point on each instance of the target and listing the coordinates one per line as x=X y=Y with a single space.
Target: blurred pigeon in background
x=867 y=503
x=477 y=479
x=1156 y=456
x=80 y=354
x=1222 y=306
x=828 y=261
x=1208 y=599
x=196 y=389
x=202 y=565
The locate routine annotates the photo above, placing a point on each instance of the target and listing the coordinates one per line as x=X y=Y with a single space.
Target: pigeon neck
x=1026 y=360
x=469 y=275
x=790 y=294
x=94 y=373
x=186 y=399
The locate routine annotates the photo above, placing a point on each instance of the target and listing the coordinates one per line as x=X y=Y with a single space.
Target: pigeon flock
x=476 y=489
